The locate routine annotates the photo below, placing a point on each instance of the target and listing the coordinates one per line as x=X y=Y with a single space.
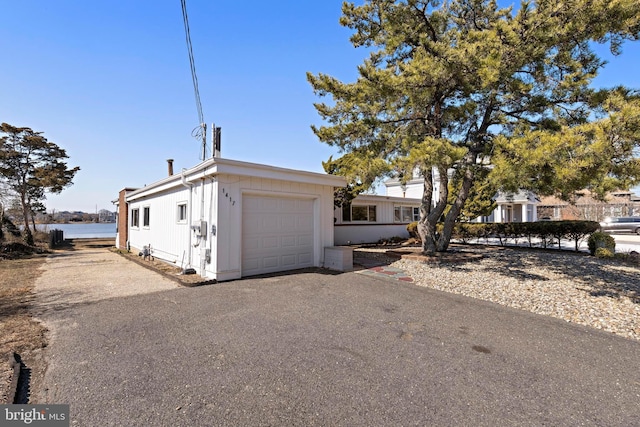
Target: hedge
x=549 y=232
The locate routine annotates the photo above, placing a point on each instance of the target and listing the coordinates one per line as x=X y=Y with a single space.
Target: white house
x=371 y=218
x=229 y=219
x=518 y=207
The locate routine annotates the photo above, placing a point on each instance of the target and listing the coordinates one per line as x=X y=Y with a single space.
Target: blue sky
x=109 y=81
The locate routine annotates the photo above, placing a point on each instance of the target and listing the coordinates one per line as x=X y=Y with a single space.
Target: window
x=359 y=213
x=135 y=217
x=405 y=214
x=145 y=216
x=346 y=212
x=182 y=212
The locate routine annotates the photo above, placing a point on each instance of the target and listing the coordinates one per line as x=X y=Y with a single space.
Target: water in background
x=83 y=230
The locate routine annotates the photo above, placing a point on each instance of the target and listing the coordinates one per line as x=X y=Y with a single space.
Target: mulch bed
x=452 y=256
x=165 y=269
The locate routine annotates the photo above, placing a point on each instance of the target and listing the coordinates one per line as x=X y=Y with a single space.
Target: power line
x=200 y=131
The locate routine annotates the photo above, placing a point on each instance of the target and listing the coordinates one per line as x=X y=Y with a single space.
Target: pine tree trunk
x=27 y=235
x=450 y=219
x=428 y=236
x=429 y=216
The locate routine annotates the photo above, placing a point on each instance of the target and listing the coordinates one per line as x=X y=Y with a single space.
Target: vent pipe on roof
x=216 y=138
x=170 y=166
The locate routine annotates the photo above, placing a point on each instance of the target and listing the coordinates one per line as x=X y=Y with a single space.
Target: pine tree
x=482 y=98
x=30 y=165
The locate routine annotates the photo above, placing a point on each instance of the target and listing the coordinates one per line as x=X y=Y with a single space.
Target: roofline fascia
x=216 y=166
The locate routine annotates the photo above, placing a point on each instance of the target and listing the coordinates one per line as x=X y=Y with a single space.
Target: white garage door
x=277 y=234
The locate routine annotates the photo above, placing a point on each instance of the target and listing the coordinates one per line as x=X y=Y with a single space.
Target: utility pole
x=204 y=141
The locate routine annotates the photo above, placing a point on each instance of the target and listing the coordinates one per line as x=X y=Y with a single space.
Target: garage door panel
x=305 y=258
x=303 y=227
x=288 y=205
x=270 y=243
x=269 y=223
x=251 y=263
x=289 y=260
x=251 y=244
x=270 y=262
x=269 y=204
x=288 y=222
x=289 y=241
x=251 y=223
x=305 y=240
x=277 y=234
x=250 y=205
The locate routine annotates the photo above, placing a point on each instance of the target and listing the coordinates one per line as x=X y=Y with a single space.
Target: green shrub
x=412 y=228
x=599 y=240
x=622 y=256
x=548 y=232
x=466 y=231
x=604 y=253
x=579 y=230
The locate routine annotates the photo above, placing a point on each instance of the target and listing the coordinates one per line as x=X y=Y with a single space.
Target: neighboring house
x=373 y=218
x=586 y=207
x=518 y=207
x=229 y=219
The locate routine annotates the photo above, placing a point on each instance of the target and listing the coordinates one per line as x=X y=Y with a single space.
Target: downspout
x=202 y=182
x=190 y=187
x=203 y=233
x=213 y=212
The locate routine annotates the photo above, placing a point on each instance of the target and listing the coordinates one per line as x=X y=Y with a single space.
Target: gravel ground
x=574 y=287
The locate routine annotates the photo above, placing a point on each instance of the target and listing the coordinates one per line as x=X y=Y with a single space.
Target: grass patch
x=19 y=332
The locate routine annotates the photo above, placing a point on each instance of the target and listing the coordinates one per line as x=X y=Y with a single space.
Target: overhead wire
x=200 y=131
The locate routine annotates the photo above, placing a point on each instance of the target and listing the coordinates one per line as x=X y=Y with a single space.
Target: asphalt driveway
x=328 y=349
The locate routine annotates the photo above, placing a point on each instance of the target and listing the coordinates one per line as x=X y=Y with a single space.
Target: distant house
x=228 y=219
x=106 y=216
x=513 y=207
x=586 y=207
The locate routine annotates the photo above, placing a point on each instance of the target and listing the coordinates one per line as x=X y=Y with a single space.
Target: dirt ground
x=21 y=331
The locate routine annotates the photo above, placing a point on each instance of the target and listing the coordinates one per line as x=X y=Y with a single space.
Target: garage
x=277 y=234
x=228 y=219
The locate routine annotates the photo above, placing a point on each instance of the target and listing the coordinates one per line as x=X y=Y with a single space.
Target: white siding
x=214 y=192
x=385 y=226
x=358 y=234
x=166 y=236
